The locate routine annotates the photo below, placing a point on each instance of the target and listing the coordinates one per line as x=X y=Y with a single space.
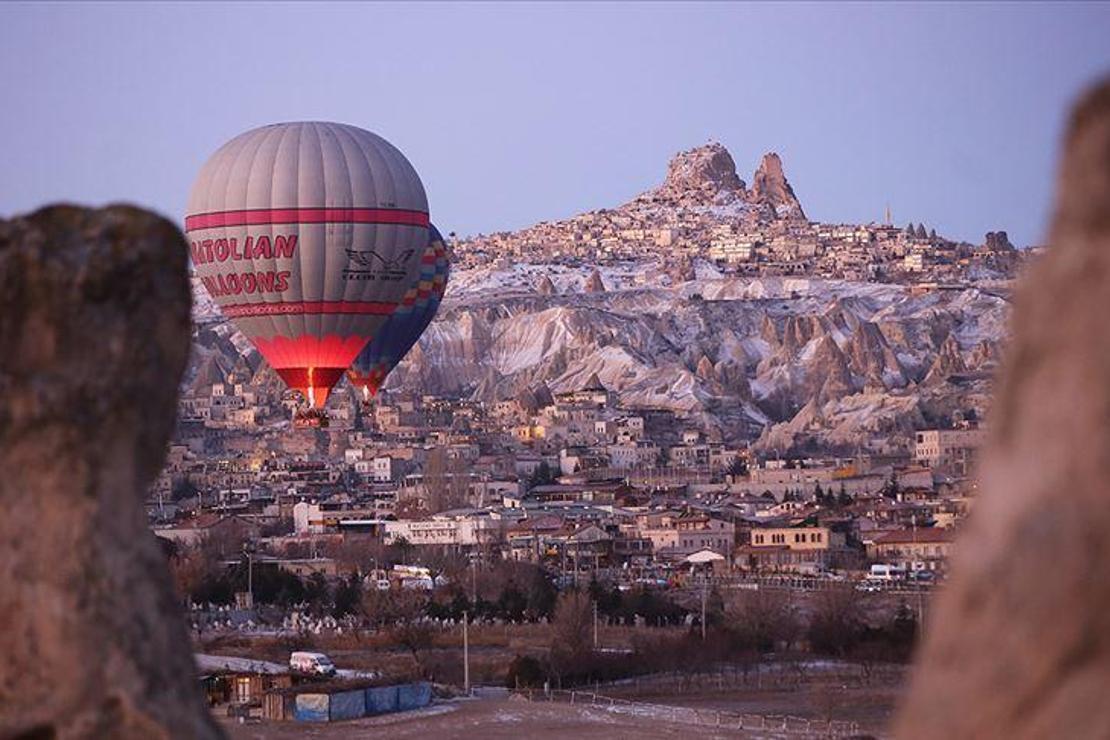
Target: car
x=311 y=664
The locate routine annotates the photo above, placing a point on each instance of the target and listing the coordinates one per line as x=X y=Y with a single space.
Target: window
x=242 y=689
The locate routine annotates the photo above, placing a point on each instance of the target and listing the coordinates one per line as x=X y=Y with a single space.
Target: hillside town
x=669 y=409
x=569 y=481
x=587 y=482
x=704 y=210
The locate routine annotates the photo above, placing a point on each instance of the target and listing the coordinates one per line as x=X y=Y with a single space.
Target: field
x=490 y=718
x=512 y=718
x=797 y=686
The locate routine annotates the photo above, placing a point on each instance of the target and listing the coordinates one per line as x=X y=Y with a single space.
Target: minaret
x=888 y=219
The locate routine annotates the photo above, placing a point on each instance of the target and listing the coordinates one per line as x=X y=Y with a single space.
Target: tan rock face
x=594 y=283
x=707 y=168
x=1020 y=641
x=94 y=322
x=546 y=287
x=770 y=188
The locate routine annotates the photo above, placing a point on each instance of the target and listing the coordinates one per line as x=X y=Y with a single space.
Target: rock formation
x=546 y=287
x=706 y=170
x=872 y=357
x=94 y=321
x=949 y=361
x=706 y=176
x=770 y=188
x=998 y=241
x=705 y=369
x=1017 y=646
x=594 y=283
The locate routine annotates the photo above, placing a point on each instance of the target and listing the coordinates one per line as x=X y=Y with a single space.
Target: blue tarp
x=381 y=700
x=347 y=705
x=311 y=708
x=361 y=703
x=414 y=695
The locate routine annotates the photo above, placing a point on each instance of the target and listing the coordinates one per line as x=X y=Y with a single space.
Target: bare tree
x=837 y=622
x=762 y=619
x=571 y=628
x=359 y=554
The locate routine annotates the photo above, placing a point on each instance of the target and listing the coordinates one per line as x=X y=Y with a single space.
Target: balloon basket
x=310 y=418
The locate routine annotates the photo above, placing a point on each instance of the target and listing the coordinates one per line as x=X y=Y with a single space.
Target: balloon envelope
x=308 y=235
x=403 y=329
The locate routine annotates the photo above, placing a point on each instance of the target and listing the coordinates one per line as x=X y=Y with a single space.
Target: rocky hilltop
x=700 y=176
x=705 y=177
x=704 y=209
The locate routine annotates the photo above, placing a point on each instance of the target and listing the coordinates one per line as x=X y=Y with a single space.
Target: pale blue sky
x=519 y=113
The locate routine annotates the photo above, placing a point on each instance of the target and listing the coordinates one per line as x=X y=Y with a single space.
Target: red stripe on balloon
x=278 y=309
x=316 y=377
x=305 y=351
x=262 y=216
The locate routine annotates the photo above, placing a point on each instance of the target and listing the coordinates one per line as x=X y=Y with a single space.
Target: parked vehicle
x=886 y=572
x=312 y=664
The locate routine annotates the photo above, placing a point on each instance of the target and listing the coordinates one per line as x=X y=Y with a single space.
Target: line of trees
x=742 y=633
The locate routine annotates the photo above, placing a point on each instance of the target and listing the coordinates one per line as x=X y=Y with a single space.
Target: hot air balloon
x=308 y=235
x=401 y=332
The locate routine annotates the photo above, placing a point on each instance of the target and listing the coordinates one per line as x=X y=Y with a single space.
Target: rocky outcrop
x=1017 y=644
x=998 y=241
x=949 y=361
x=706 y=171
x=828 y=376
x=705 y=369
x=594 y=284
x=706 y=176
x=94 y=321
x=546 y=287
x=770 y=188
x=985 y=355
x=873 y=359
x=534 y=398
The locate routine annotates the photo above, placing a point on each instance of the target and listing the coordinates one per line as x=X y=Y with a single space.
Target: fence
x=782 y=675
x=785 y=724
x=332 y=706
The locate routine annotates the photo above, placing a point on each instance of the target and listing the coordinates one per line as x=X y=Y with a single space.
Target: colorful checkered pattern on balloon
x=432 y=281
x=404 y=327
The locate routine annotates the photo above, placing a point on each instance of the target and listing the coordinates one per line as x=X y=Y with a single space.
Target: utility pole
x=595 y=624
x=250 y=575
x=576 y=565
x=920 y=595
x=466 y=654
x=704 y=587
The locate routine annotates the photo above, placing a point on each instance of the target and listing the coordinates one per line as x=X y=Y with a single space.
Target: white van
x=314 y=664
x=885 y=572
